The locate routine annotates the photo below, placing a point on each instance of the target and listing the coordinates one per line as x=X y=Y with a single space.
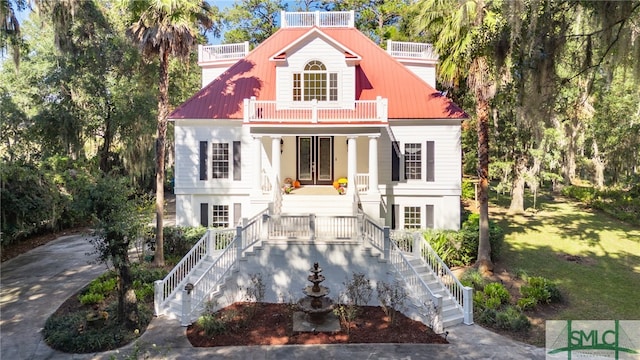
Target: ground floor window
x=412 y=217
x=220 y=216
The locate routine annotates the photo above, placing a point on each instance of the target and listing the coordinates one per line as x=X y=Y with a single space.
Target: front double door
x=315 y=160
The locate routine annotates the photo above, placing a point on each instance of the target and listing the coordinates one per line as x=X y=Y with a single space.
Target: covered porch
x=314 y=162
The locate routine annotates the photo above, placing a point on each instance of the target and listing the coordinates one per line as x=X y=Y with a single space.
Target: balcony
x=225 y=52
x=317 y=18
x=314 y=112
x=411 y=50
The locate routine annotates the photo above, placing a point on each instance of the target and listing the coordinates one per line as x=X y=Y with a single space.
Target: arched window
x=315 y=83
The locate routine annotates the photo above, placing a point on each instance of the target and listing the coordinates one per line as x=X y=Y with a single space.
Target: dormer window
x=315 y=83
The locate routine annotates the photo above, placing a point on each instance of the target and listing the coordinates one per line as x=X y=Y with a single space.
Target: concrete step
x=322 y=205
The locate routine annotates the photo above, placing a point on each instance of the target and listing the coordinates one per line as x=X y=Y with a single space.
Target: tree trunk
x=598 y=166
x=121 y=263
x=517 y=188
x=163 y=113
x=105 y=150
x=483 y=263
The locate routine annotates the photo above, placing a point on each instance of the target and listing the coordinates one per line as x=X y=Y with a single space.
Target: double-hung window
x=223 y=156
x=220 y=216
x=315 y=83
x=413 y=161
x=219 y=160
x=412 y=217
x=419 y=161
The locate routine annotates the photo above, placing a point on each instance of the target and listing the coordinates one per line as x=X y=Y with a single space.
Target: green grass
x=605 y=285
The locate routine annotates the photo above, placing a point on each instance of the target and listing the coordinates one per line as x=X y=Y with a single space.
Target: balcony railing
x=363 y=111
x=222 y=52
x=411 y=50
x=317 y=18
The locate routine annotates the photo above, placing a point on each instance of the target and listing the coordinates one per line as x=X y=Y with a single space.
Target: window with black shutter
x=237 y=170
x=395 y=161
x=204 y=214
x=203 y=160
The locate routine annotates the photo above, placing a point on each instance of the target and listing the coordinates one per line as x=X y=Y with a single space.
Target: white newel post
x=257 y=181
x=275 y=160
x=158 y=297
x=467 y=305
x=186 y=305
x=352 y=164
x=373 y=164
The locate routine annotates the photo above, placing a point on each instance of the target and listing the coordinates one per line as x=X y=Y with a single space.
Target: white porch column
x=257 y=171
x=373 y=164
x=275 y=160
x=352 y=164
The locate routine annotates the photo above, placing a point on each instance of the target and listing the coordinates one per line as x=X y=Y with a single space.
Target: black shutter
x=431 y=161
x=395 y=161
x=237 y=170
x=203 y=160
x=204 y=214
x=430 y=217
x=394 y=216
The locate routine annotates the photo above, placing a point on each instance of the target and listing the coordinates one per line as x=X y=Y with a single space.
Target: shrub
x=468 y=189
x=358 y=291
x=512 y=319
x=497 y=291
x=492 y=297
x=178 y=240
x=440 y=241
x=538 y=290
x=469 y=238
x=212 y=324
x=623 y=204
x=391 y=298
x=102 y=285
x=43 y=197
x=472 y=278
x=144 y=292
x=90 y=298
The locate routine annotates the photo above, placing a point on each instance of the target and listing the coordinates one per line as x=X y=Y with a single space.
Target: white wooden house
x=315 y=102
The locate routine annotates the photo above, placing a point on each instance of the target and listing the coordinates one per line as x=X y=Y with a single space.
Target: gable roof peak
x=315 y=32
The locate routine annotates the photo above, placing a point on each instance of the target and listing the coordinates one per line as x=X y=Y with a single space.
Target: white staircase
x=282 y=245
x=452 y=314
x=174 y=303
x=320 y=205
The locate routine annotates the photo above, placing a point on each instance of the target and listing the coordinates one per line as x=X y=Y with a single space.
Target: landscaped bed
x=272 y=324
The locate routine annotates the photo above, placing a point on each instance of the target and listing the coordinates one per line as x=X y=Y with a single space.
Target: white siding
x=332 y=57
x=444 y=192
x=425 y=72
x=190 y=190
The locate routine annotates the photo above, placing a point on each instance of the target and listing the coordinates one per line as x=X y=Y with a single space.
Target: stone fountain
x=316 y=306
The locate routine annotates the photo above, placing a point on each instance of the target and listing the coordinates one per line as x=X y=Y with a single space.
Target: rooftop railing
x=363 y=111
x=412 y=50
x=222 y=52
x=317 y=18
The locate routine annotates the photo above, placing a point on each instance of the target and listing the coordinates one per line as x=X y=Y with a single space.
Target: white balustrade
x=236 y=51
x=263 y=111
x=317 y=18
x=411 y=50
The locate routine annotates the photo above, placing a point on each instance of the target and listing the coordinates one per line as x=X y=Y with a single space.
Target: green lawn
x=604 y=285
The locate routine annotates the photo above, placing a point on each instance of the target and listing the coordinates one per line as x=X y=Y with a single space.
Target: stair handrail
x=372 y=232
x=416 y=285
x=246 y=236
x=463 y=295
x=165 y=287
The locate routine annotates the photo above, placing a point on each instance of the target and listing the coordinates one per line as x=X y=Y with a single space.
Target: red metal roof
x=377 y=74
